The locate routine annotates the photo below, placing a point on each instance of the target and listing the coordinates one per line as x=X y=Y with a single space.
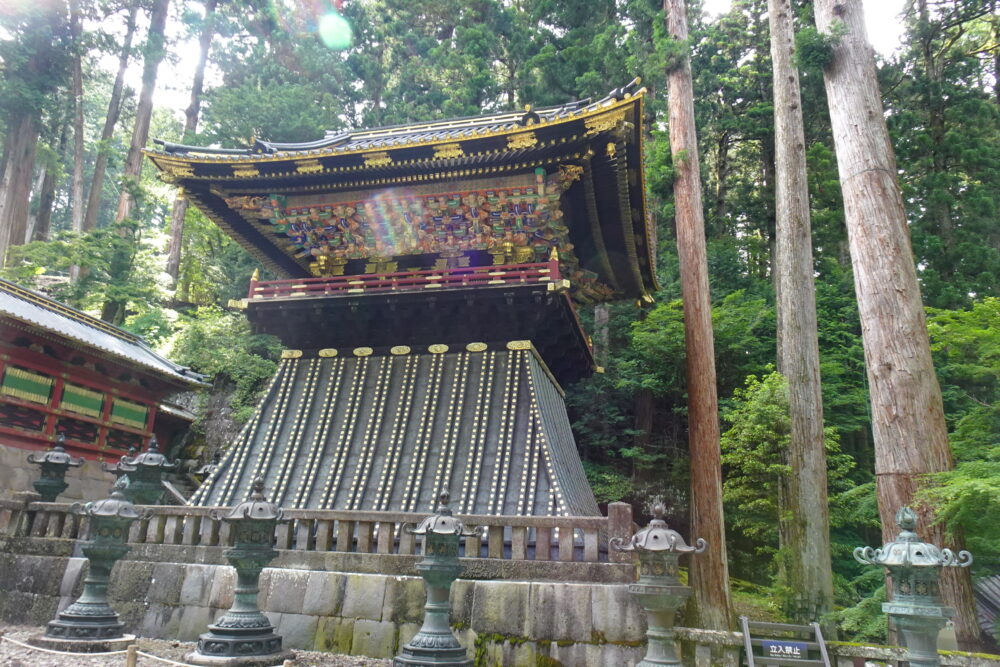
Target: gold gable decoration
x=309 y=167
x=521 y=140
x=380 y=159
x=448 y=151
x=604 y=122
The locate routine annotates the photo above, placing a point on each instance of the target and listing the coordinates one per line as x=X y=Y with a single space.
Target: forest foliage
x=271 y=76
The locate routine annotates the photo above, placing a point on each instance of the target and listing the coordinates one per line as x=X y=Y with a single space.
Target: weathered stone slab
x=196 y=585
x=364 y=597
x=130 y=580
x=404 y=600
x=223 y=588
x=560 y=612
x=334 y=635
x=71 y=576
x=501 y=607
x=615 y=615
x=375 y=639
x=193 y=621
x=296 y=630
x=286 y=591
x=407 y=631
x=463 y=593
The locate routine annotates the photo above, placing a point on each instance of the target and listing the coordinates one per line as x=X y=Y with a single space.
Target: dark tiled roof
x=44 y=313
x=389 y=431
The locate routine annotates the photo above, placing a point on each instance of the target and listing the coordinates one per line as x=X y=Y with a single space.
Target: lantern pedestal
x=658 y=589
x=243 y=635
x=435 y=643
x=920 y=632
x=90 y=625
x=82 y=645
x=660 y=602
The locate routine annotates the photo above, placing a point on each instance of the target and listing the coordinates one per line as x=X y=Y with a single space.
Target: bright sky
x=881 y=19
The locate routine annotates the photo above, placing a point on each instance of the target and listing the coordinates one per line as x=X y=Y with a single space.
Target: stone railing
x=515 y=538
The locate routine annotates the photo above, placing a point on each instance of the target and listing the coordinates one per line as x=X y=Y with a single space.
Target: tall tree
x=805 y=533
x=114 y=308
x=152 y=56
x=76 y=30
x=190 y=127
x=709 y=572
x=110 y=121
x=911 y=438
x=34 y=65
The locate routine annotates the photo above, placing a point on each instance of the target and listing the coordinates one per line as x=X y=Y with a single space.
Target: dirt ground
x=14 y=655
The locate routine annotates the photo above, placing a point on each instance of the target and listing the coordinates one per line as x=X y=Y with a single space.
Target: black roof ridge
x=334 y=137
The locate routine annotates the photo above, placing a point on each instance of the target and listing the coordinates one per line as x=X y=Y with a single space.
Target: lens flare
x=335 y=31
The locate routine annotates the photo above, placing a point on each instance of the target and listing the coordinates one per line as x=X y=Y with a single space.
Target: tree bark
x=79 y=206
x=808 y=530
x=113 y=309
x=911 y=439
x=711 y=606
x=153 y=54
x=190 y=126
x=40 y=226
x=644 y=407
x=114 y=109
x=15 y=184
x=602 y=337
x=40 y=44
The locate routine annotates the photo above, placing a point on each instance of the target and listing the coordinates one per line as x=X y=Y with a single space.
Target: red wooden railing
x=474 y=276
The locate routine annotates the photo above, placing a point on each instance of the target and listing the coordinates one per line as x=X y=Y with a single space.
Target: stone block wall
x=506 y=623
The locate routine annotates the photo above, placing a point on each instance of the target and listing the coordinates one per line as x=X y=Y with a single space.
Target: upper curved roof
x=605 y=211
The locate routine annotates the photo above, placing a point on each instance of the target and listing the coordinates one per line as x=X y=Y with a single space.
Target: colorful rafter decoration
x=522 y=213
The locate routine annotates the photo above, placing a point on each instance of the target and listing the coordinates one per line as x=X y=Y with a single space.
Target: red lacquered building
x=65 y=372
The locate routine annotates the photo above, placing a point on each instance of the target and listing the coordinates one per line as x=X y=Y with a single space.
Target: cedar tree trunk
x=154 y=53
x=911 y=439
x=190 y=126
x=114 y=109
x=808 y=523
x=711 y=606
